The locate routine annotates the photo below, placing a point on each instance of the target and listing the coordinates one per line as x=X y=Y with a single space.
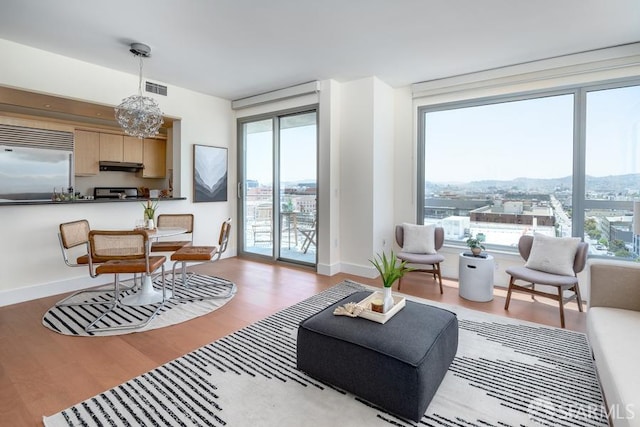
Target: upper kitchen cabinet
x=87 y=153
x=132 y=149
x=94 y=147
x=154 y=158
x=111 y=147
x=119 y=148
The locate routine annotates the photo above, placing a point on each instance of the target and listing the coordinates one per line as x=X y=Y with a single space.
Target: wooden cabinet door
x=132 y=149
x=111 y=147
x=155 y=158
x=86 y=153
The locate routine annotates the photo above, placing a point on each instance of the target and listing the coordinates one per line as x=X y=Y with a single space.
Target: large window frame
x=579 y=201
x=277 y=197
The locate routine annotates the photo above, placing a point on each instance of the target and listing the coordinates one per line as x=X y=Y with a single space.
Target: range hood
x=121 y=166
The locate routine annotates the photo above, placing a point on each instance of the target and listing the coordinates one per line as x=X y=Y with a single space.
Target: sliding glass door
x=279 y=221
x=257 y=187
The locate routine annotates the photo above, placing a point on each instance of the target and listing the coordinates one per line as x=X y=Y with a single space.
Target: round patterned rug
x=71 y=319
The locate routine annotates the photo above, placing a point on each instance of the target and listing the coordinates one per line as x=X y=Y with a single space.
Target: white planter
x=388 y=299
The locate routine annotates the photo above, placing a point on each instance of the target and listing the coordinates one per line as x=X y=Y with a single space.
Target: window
x=612 y=170
x=562 y=163
x=279 y=220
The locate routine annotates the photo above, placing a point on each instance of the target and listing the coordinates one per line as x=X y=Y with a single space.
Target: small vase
x=150 y=224
x=476 y=251
x=387 y=300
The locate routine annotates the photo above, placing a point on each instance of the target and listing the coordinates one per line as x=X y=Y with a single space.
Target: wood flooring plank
x=13 y=410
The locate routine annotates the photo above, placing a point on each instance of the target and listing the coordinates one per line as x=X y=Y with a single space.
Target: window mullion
x=579 y=155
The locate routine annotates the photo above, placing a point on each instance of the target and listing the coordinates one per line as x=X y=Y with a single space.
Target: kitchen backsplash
x=85 y=184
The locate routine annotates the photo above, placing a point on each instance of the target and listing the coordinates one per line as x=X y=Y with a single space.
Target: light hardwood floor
x=42 y=372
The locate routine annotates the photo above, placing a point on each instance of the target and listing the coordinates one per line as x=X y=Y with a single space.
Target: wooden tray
x=367 y=313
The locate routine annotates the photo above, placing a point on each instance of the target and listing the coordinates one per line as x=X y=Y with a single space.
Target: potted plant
x=150 y=213
x=390 y=270
x=475 y=244
x=288 y=206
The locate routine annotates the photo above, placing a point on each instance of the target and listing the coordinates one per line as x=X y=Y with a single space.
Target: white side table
x=475 y=277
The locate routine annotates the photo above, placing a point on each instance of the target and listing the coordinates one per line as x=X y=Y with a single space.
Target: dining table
x=147 y=294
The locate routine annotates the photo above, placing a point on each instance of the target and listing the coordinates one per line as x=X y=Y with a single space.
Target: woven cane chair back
x=176 y=220
x=118 y=245
x=74 y=233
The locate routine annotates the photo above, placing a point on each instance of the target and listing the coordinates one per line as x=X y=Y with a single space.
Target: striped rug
x=72 y=319
x=505 y=373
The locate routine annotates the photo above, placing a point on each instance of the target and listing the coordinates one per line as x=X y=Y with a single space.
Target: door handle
x=239 y=190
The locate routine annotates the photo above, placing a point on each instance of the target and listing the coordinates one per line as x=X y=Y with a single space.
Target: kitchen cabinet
x=111 y=147
x=93 y=147
x=154 y=158
x=120 y=148
x=132 y=149
x=87 y=153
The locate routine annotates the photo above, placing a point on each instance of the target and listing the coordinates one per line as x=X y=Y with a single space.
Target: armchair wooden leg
x=399 y=283
x=506 y=304
x=561 y=302
x=437 y=271
x=576 y=289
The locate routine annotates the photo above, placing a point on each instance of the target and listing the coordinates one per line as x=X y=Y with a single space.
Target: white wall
x=404 y=159
x=356 y=173
x=329 y=253
x=30 y=258
x=383 y=168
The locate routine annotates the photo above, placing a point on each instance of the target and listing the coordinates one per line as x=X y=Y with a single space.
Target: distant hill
x=612 y=183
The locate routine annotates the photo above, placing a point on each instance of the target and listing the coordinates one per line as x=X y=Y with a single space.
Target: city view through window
x=507 y=168
x=280 y=220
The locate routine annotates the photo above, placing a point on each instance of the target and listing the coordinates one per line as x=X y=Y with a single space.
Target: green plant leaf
x=389 y=268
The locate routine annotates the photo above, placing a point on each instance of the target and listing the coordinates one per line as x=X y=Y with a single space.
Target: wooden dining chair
x=73 y=237
x=123 y=252
x=200 y=254
x=174 y=220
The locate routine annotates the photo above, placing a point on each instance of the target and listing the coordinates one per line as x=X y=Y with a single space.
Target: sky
x=531 y=138
x=468 y=144
x=297 y=155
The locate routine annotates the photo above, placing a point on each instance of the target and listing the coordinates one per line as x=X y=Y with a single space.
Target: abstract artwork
x=209 y=174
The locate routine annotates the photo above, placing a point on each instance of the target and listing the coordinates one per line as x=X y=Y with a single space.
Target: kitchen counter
x=86 y=201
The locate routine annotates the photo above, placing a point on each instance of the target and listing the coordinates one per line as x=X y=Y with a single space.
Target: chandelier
x=139 y=115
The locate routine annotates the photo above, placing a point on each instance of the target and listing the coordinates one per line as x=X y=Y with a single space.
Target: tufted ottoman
x=397 y=365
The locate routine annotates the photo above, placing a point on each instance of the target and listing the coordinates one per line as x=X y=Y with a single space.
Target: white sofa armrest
x=614 y=284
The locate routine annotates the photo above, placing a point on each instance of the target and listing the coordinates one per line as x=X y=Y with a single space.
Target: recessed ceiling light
x=47 y=105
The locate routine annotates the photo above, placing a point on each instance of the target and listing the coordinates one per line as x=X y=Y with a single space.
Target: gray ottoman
x=397 y=366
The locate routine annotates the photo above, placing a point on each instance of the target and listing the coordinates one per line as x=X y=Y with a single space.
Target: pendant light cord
x=140 y=78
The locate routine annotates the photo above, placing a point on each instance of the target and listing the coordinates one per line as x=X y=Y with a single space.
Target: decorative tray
x=367 y=313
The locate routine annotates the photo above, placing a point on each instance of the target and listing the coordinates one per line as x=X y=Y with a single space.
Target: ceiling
x=238 y=48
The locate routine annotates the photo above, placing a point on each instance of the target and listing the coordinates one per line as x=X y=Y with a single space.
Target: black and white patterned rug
x=505 y=373
x=72 y=319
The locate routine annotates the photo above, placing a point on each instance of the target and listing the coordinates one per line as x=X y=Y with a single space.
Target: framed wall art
x=209 y=174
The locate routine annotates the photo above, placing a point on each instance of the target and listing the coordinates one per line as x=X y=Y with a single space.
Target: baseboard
x=359 y=270
x=15 y=296
x=328 y=269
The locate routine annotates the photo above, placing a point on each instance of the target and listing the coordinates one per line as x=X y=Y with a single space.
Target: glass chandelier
x=139 y=115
